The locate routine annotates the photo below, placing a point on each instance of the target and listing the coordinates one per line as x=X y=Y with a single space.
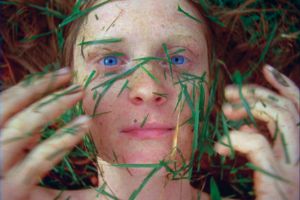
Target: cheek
x=113 y=112
x=109 y=113
x=99 y=100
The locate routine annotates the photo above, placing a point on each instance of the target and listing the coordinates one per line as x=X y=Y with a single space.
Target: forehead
x=142 y=20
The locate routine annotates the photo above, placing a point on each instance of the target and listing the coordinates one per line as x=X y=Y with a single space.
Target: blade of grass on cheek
x=188 y=15
x=107 y=84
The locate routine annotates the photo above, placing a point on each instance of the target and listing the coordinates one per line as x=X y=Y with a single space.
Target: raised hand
x=276 y=165
x=25 y=111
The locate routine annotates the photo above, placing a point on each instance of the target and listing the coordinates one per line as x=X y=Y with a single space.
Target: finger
x=257 y=92
x=44 y=157
x=248 y=129
x=280 y=123
x=21 y=95
x=283 y=84
x=17 y=132
x=269 y=182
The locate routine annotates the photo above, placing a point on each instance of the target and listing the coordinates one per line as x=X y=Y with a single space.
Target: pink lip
x=148 y=131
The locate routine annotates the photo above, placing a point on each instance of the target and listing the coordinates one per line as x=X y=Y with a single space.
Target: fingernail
x=63 y=71
x=82 y=119
x=269 y=67
x=278 y=76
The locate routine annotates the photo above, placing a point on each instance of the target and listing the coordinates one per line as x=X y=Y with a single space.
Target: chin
x=152 y=158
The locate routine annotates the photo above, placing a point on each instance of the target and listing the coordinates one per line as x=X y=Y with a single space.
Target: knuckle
x=10 y=134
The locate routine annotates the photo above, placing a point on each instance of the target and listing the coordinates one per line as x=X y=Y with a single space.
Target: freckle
x=103 y=28
x=96 y=16
x=135 y=120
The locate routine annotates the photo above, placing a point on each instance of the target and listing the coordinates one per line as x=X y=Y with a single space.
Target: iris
x=110 y=61
x=178 y=60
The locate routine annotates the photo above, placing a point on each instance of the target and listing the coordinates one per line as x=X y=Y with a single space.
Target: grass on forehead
x=189 y=15
x=265 y=24
x=77 y=13
x=104 y=41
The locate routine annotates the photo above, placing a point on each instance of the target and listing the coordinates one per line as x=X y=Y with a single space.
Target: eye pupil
x=110 y=60
x=178 y=60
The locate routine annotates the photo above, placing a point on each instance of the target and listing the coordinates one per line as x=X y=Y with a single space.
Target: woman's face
x=138 y=120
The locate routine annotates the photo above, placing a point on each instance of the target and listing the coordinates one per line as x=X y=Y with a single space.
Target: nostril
x=138 y=100
x=159 y=100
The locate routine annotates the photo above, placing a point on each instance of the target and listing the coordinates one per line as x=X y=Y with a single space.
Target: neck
x=122 y=184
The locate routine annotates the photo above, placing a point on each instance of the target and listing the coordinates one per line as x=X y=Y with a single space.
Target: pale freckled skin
x=141 y=41
x=143 y=29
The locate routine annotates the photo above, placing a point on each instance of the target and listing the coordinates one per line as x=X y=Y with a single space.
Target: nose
x=145 y=90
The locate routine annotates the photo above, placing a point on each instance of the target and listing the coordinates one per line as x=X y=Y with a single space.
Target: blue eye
x=178 y=60
x=110 y=61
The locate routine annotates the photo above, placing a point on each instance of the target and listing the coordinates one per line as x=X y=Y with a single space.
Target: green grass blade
x=214 y=191
x=77 y=13
x=168 y=59
x=34 y=37
x=144 y=120
x=188 y=15
x=258 y=169
x=238 y=79
x=120 y=76
x=195 y=143
x=125 y=85
x=48 y=11
x=100 y=96
x=145 y=181
x=160 y=94
x=101 y=190
x=226 y=132
x=150 y=74
x=56 y=96
x=104 y=41
x=89 y=79
x=284 y=144
x=178 y=51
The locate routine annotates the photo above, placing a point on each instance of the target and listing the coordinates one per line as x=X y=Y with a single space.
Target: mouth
x=149 y=131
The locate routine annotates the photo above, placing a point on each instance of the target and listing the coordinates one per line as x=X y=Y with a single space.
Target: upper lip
x=148 y=126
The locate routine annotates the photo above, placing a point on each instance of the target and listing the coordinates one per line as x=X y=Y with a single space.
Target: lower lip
x=148 y=133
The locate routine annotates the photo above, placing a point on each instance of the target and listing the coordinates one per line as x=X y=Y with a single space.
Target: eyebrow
x=187 y=41
x=97 y=43
x=182 y=38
